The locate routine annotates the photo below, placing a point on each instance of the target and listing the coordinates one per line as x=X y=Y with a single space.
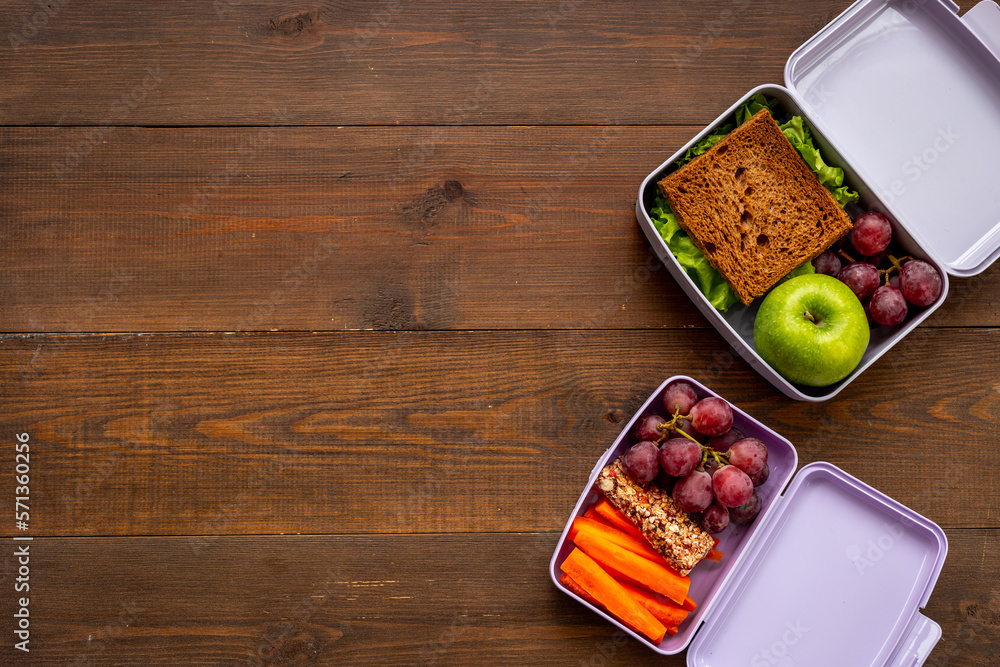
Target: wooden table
x=318 y=315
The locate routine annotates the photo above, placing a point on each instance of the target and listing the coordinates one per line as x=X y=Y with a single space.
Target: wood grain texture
x=352 y=228
x=387 y=600
x=388 y=62
x=492 y=431
x=418 y=220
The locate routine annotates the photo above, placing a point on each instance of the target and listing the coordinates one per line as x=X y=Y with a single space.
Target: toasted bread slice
x=754 y=207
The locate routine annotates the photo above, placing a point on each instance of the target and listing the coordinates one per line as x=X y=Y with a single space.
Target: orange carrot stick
x=613 y=516
x=617 y=519
x=570 y=583
x=666 y=611
x=649 y=574
x=574 y=587
x=689 y=604
x=671 y=631
x=626 y=540
x=615 y=536
x=591 y=513
x=610 y=594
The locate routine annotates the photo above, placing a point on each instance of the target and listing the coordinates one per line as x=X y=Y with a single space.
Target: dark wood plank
x=351 y=62
x=387 y=600
x=195 y=450
x=268 y=433
x=355 y=228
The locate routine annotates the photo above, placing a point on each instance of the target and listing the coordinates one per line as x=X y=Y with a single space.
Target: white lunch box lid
x=910 y=92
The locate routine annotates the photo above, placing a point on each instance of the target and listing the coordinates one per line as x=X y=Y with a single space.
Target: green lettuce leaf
x=844 y=195
x=801 y=270
x=717 y=135
x=744 y=113
x=695 y=264
x=753 y=105
x=798 y=135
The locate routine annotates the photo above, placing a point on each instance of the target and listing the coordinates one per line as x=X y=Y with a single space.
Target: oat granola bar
x=668 y=528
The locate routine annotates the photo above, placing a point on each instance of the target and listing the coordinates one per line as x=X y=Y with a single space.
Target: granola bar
x=668 y=528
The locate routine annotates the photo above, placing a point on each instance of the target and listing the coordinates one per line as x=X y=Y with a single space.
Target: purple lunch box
x=831 y=573
x=904 y=96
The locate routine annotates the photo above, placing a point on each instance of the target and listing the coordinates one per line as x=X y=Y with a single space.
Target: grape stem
x=720 y=457
x=897 y=265
x=846 y=256
x=666 y=427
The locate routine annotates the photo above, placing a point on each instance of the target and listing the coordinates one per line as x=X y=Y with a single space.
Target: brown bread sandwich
x=753 y=206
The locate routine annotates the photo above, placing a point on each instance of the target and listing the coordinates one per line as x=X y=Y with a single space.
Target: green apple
x=812 y=330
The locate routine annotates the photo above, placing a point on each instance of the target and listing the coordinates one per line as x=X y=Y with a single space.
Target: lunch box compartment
x=826 y=555
x=815 y=75
x=707 y=577
x=736 y=324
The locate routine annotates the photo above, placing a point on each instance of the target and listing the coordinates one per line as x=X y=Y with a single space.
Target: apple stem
x=809 y=316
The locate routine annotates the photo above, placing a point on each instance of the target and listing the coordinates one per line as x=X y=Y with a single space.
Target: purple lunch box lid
x=831 y=567
x=836 y=577
x=910 y=94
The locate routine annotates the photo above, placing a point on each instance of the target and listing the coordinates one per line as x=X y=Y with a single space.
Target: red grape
x=868 y=313
x=648 y=428
x=693 y=492
x=732 y=486
x=920 y=283
x=679 y=396
x=894 y=281
x=861 y=277
x=749 y=510
x=665 y=481
x=679 y=456
x=712 y=416
x=722 y=443
x=828 y=263
x=715 y=519
x=711 y=465
x=888 y=306
x=762 y=476
x=872 y=233
x=749 y=455
x=641 y=462
x=876 y=260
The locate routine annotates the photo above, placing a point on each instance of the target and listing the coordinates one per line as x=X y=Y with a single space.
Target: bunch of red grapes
x=707 y=465
x=886 y=297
